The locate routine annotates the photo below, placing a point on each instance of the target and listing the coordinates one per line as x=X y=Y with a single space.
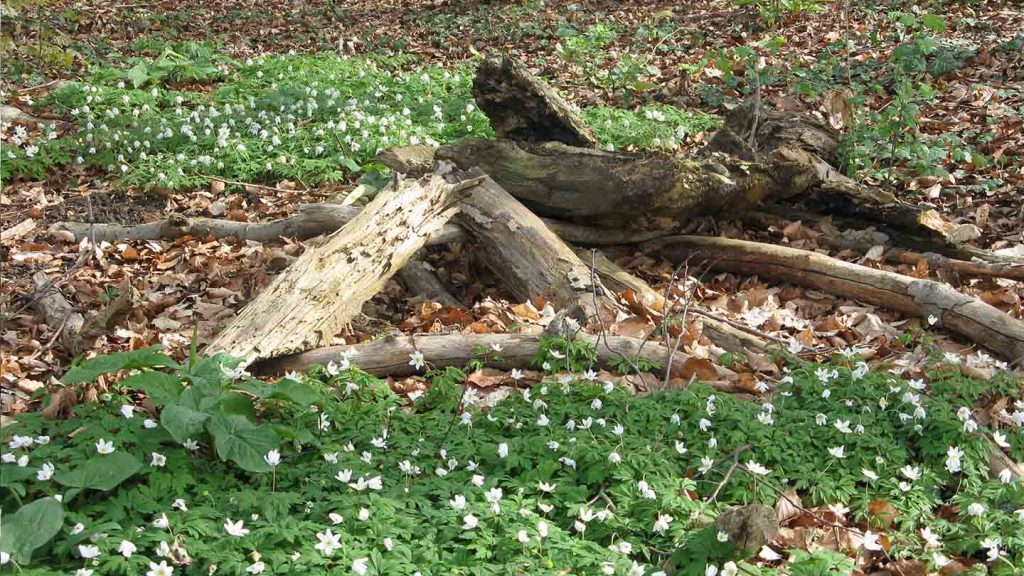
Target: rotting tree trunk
x=389 y=356
x=308 y=304
x=421 y=282
x=530 y=259
x=979 y=322
x=523 y=107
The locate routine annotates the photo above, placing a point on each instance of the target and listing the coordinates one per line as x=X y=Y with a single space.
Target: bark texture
x=308 y=304
x=965 y=315
x=390 y=356
x=522 y=107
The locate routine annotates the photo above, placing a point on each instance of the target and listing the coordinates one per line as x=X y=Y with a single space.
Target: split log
x=979 y=322
x=389 y=356
x=420 y=281
x=523 y=107
x=529 y=258
x=307 y=305
x=721 y=332
x=77 y=333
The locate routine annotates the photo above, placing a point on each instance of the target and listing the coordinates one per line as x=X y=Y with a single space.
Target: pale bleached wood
x=979 y=322
x=311 y=301
x=389 y=356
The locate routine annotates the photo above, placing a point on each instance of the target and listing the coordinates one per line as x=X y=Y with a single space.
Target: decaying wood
x=389 y=356
x=983 y=324
x=529 y=258
x=77 y=333
x=715 y=329
x=311 y=220
x=420 y=281
x=522 y=107
x=412 y=161
x=308 y=304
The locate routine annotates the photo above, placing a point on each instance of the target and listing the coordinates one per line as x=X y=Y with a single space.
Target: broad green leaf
x=235 y=403
x=89 y=370
x=139 y=74
x=101 y=472
x=206 y=377
x=239 y=440
x=182 y=422
x=11 y=473
x=284 y=389
x=32 y=526
x=161 y=388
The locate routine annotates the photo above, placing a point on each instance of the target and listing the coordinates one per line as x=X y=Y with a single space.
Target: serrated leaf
x=101 y=472
x=32 y=526
x=244 y=443
x=183 y=423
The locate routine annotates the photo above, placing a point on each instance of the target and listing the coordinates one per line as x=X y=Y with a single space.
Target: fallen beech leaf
x=488 y=378
x=788 y=506
x=881 y=513
x=700 y=369
x=130 y=254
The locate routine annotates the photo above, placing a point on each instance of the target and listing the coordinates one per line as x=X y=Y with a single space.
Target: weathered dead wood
x=389 y=356
x=529 y=258
x=717 y=330
x=310 y=302
x=412 y=161
x=525 y=108
x=77 y=333
x=575 y=184
x=420 y=281
x=311 y=220
x=981 y=323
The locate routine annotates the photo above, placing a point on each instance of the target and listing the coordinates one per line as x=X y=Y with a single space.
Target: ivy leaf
x=161 y=388
x=30 y=527
x=182 y=422
x=101 y=472
x=244 y=443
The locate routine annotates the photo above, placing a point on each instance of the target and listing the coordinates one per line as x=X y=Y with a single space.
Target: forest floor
x=929 y=101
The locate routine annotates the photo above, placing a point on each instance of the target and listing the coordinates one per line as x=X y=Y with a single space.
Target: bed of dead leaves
x=196 y=285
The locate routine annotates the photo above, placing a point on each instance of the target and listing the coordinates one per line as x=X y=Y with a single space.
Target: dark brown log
x=317 y=295
x=422 y=283
x=576 y=184
x=529 y=258
x=523 y=107
x=389 y=356
x=979 y=322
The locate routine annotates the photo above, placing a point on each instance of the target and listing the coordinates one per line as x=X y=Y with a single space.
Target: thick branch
x=965 y=315
x=390 y=356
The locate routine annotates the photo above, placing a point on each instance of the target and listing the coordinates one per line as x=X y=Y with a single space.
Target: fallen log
x=523 y=107
x=390 y=356
x=529 y=258
x=308 y=304
x=420 y=281
x=311 y=220
x=77 y=333
x=981 y=323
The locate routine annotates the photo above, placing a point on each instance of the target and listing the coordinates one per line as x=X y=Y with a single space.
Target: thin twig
x=729 y=473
